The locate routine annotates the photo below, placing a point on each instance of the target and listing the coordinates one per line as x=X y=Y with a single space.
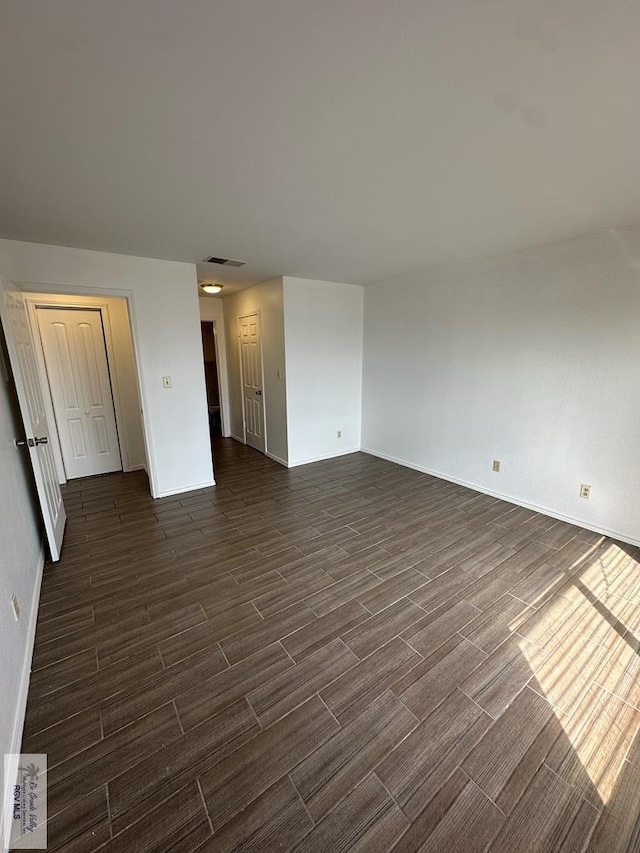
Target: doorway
x=77 y=368
x=113 y=334
x=212 y=376
x=250 y=337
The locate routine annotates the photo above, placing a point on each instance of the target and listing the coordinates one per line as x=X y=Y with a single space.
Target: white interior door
x=75 y=356
x=15 y=321
x=251 y=368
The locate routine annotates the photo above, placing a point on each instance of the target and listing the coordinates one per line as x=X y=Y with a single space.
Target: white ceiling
x=349 y=140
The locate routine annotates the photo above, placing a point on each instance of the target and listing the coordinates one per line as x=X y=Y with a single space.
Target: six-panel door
x=251 y=367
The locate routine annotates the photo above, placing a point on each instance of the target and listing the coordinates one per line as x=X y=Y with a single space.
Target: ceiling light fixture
x=211 y=287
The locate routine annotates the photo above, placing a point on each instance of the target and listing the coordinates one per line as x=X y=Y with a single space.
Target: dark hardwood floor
x=347 y=656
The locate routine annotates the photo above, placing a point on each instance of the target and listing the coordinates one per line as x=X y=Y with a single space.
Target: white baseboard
x=18 y=727
x=236 y=437
x=131 y=468
x=308 y=461
x=614 y=534
x=183 y=489
x=276 y=459
x=322 y=458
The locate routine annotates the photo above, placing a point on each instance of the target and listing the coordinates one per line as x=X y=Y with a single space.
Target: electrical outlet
x=16 y=606
x=496 y=465
x=339 y=433
x=585 y=491
x=166 y=382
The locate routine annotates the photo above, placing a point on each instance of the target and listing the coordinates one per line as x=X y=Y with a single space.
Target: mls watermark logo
x=28 y=817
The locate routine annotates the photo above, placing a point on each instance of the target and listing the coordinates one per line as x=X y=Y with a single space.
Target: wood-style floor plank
x=416 y=770
x=181 y=760
x=366 y=821
x=509 y=755
x=550 y=815
x=337 y=766
x=467 y=826
x=238 y=779
x=498 y=680
x=356 y=689
x=294 y=686
x=431 y=681
x=276 y=820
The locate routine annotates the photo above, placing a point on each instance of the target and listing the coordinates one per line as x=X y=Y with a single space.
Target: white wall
x=122 y=369
x=323 y=335
x=211 y=308
x=266 y=298
x=532 y=359
x=21 y=559
x=165 y=320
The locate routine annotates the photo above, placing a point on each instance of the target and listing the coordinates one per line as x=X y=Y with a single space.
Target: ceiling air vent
x=223 y=262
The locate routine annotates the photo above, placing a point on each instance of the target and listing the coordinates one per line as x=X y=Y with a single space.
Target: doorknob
x=25 y=442
x=259 y=393
x=43 y=440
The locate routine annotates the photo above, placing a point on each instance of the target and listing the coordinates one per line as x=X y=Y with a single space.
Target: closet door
x=78 y=371
x=252 y=385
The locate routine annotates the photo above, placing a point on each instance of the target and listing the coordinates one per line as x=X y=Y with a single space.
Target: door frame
x=224 y=415
x=64 y=302
x=257 y=313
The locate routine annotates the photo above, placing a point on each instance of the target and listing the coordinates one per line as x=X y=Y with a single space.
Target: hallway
x=344 y=656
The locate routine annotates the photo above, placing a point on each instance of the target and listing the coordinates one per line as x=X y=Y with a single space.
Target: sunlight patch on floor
x=591 y=676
